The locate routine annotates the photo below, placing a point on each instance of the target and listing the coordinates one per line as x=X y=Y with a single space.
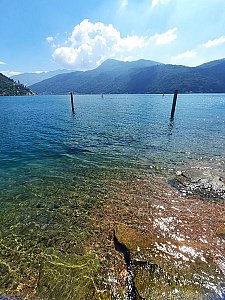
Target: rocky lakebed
x=147 y=237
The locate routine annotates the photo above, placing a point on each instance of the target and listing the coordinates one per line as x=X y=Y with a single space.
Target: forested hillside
x=9 y=87
x=138 y=77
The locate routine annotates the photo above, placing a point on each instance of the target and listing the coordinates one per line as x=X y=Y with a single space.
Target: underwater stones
x=69 y=277
x=4 y=274
x=181 y=268
x=221 y=231
x=131 y=239
x=76 y=150
x=24 y=197
x=201 y=181
x=9 y=298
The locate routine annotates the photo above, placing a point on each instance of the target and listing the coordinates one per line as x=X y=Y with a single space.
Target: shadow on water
x=76 y=150
x=131 y=292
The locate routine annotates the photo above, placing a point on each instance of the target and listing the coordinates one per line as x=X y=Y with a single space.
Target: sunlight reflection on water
x=56 y=167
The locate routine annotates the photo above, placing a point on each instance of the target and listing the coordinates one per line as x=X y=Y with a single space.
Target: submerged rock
x=221 y=231
x=9 y=298
x=202 y=181
x=182 y=269
x=69 y=277
x=5 y=274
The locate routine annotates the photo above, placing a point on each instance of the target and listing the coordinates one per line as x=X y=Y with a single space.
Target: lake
x=57 y=168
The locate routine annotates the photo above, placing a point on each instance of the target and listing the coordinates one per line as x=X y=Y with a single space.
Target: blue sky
x=43 y=35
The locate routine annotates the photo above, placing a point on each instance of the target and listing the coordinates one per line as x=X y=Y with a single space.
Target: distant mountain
x=140 y=76
x=8 y=87
x=32 y=78
x=124 y=66
x=213 y=63
x=94 y=81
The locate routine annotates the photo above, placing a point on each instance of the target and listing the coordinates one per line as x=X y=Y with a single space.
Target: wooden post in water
x=71 y=97
x=174 y=104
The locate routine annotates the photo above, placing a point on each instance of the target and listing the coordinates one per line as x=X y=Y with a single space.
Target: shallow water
x=56 y=167
x=133 y=129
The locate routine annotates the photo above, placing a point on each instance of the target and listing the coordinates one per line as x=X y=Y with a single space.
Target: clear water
x=41 y=132
x=47 y=153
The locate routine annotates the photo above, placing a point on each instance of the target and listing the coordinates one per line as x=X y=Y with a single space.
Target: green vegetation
x=9 y=87
x=138 y=77
x=69 y=276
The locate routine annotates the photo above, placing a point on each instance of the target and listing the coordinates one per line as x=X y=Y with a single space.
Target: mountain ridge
x=8 y=87
x=140 y=76
x=32 y=78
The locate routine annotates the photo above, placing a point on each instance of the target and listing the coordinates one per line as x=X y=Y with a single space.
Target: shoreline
x=163 y=229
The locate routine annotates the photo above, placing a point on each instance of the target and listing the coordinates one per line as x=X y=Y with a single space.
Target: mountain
x=116 y=65
x=140 y=76
x=8 y=87
x=32 y=78
x=213 y=63
x=94 y=81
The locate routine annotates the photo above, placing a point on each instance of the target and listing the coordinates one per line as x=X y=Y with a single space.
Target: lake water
x=47 y=154
x=133 y=129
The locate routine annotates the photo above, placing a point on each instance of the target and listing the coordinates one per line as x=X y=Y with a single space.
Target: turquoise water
x=48 y=155
x=37 y=132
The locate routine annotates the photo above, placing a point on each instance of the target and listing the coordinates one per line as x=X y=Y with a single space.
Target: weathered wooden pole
x=71 y=97
x=174 y=104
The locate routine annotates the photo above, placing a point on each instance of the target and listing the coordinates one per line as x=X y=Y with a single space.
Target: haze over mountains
x=140 y=76
x=32 y=78
x=113 y=76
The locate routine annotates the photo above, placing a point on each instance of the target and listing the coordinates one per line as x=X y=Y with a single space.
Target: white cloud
x=215 y=42
x=39 y=72
x=165 y=38
x=124 y=3
x=91 y=43
x=157 y=2
x=50 y=39
x=10 y=73
x=2 y=63
x=187 y=54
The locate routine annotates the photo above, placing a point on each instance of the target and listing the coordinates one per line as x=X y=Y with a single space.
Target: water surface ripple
x=57 y=167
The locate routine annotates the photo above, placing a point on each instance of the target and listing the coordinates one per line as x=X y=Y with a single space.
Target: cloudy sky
x=43 y=35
